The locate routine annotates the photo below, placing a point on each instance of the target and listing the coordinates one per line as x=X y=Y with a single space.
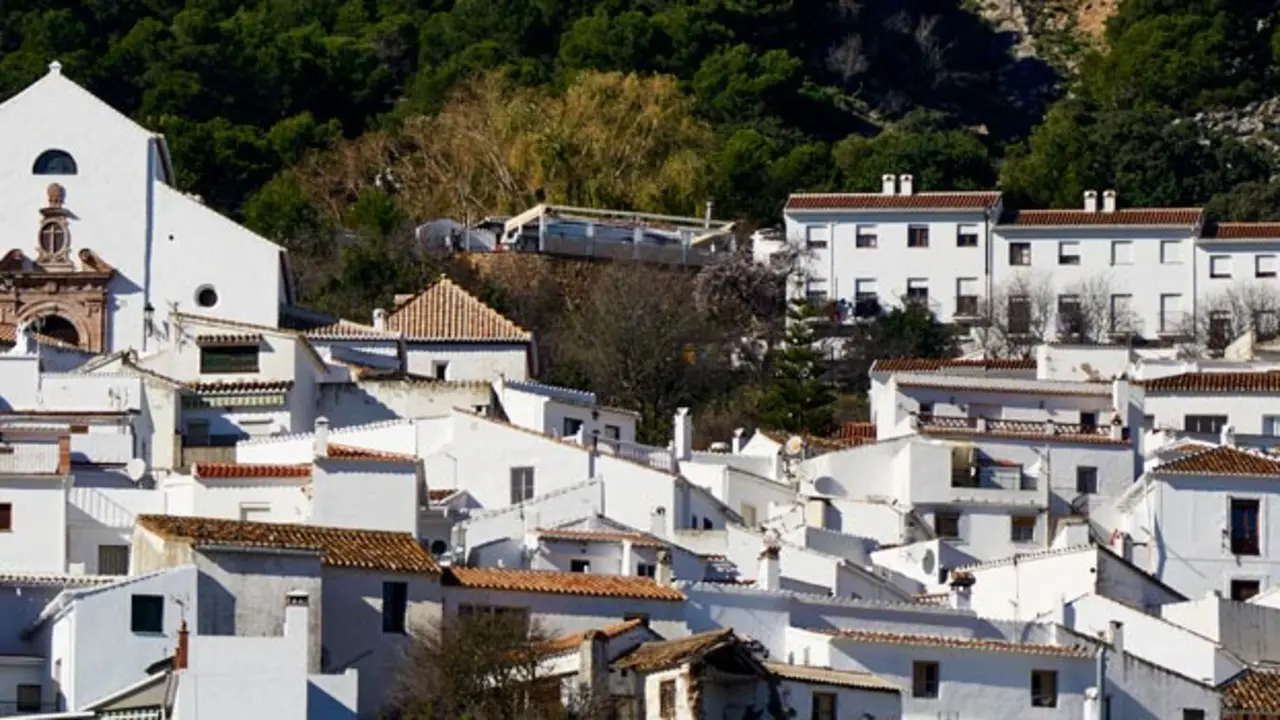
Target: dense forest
x=333 y=126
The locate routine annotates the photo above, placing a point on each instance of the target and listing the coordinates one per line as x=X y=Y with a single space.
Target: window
x=707 y=524
x=440 y=370
x=1120 y=314
x=1192 y=714
x=53 y=237
x=918 y=291
x=918 y=236
x=1022 y=528
x=113 y=559
x=1244 y=527
x=667 y=700
x=1086 y=480
x=1271 y=425
x=1264 y=266
x=580 y=566
x=28 y=698
x=924 y=679
x=1044 y=688
x=818 y=236
x=1204 y=423
x=646 y=570
x=925 y=410
x=1220 y=266
x=229 y=359
x=946 y=525
x=1170 y=252
x=816 y=290
x=1089 y=419
x=613 y=432
x=395 y=599
x=824 y=706
x=1242 y=590
x=1020 y=253
x=1148 y=422
x=1070 y=316
x=866 y=300
x=866 y=237
x=1221 y=329
x=6 y=517
x=254 y=512
x=147 y=614
x=206 y=297
x=1068 y=252
x=521 y=484
x=967 y=297
x=967 y=236
x=1170 y=313
x=1121 y=252
x=572 y=426
x=748 y=513
x=1019 y=314
x=54 y=162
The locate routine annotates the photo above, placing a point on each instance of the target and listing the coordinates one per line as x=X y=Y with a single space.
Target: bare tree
x=1019 y=315
x=485 y=667
x=1091 y=311
x=1222 y=317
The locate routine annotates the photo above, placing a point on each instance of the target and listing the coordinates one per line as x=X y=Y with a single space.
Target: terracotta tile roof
x=55 y=579
x=855 y=431
x=446 y=312
x=608 y=536
x=1216 y=382
x=958 y=643
x=436 y=496
x=222 y=470
x=229 y=339
x=931 y=598
x=1244 y=231
x=667 y=653
x=1082 y=217
x=240 y=386
x=341 y=547
x=937 y=364
x=345 y=329
x=828 y=676
x=572 y=641
x=347 y=452
x=1253 y=691
x=562 y=583
x=1221 y=461
x=877 y=201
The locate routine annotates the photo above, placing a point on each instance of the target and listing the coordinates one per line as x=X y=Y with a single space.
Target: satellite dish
x=135 y=469
x=927 y=562
x=794 y=445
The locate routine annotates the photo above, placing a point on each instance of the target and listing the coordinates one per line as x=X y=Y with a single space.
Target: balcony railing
x=655 y=457
x=999 y=425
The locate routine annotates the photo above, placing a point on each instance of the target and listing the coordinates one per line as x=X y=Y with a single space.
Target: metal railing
x=1000 y=425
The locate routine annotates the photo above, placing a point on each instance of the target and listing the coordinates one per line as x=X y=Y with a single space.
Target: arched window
x=54 y=162
x=59 y=328
x=53 y=237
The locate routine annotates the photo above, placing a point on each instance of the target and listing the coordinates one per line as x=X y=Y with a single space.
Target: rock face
x=1257 y=121
x=1037 y=22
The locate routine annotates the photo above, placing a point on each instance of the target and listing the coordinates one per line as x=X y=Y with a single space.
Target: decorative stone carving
x=68 y=297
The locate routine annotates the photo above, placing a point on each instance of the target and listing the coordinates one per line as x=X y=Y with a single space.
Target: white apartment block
x=1157 y=273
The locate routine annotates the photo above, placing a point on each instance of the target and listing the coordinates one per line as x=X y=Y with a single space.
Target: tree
x=1020 y=314
x=908 y=330
x=798 y=398
x=1090 y=311
x=1224 y=316
x=485 y=667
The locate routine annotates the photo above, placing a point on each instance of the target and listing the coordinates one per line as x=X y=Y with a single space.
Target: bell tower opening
x=58 y=328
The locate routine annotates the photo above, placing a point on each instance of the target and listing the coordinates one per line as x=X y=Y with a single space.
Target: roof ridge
x=452 y=322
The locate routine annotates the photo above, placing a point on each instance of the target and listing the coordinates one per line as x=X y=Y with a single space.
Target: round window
x=439 y=547
x=206 y=297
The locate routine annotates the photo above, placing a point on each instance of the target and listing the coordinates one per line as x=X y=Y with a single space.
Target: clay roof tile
x=562 y=583
x=446 y=312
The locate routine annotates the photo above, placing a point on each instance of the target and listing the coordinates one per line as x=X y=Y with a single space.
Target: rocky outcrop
x=1258 y=122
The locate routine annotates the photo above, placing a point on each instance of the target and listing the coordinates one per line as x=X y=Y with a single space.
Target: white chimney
x=1091 y=200
x=1228 y=435
x=960 y=596
x=379 y=319
x=739 y=442
x=683 y=440
x=297 y=622
x=593 y=663
x=888 y=185
x=1109 y=201
x=321 y=439
x=1117 y=635
x=662 y=574
x=904 y=184
x=769 y=572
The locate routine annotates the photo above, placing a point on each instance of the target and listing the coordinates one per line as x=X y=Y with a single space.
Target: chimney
x=769 y=572
x=1109 y=201
x=1228 y=435
x=888 y=185
x=904 y=184
x=960 y=596
x=1117 y=427
x=180 y=654
x=64 y=455
x=379 y=319
x=320 y=443
x=662 y=574
x=739 y=441
x=593 y=663
x=1091 y=200
x=1116 y=636
x=706 y=218
x=297 y=623
x=683 y=434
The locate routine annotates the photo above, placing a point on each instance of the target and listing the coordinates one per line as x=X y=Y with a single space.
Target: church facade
x=98 y=245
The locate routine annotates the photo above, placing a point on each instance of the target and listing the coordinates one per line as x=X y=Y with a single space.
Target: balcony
x=207 y=448
x=979 y=425
x=966 y=307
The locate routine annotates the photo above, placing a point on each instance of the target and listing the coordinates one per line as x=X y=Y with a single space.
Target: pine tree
x=798 y=399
